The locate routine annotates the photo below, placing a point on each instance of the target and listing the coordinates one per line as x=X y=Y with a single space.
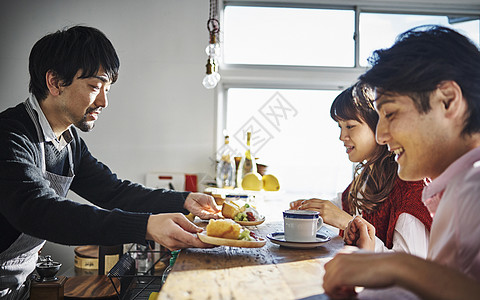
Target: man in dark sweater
x=42 y=157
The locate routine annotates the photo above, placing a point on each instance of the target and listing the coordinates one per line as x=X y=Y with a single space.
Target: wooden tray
x=260 y=242
x=86 y=251
x=251 y=223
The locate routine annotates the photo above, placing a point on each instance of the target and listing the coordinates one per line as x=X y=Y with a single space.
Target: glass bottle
x=225 y=167
x=247 y=163
x=143 y=259
x=170 y=265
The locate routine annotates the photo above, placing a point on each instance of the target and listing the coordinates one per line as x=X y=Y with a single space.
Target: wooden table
x=270 y=272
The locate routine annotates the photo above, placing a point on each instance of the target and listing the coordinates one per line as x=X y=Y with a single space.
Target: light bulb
x=211 y=80
x=213 y=50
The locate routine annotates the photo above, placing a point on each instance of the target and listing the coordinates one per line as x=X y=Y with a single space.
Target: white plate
x=279 y=239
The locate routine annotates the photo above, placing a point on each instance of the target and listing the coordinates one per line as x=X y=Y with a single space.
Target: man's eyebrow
x=380 y=102
x=102 y=78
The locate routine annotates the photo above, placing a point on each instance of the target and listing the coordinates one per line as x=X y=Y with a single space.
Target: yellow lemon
x=252 y=182
x=270 y=183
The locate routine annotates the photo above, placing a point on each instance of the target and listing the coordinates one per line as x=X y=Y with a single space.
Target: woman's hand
x=296 y=204
x=360 y=233
x=331 y=214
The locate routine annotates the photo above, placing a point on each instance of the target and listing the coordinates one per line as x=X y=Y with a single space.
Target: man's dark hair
x=421 y=59
x=67 y=51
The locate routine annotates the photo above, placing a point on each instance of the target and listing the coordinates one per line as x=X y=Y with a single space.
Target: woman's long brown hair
x=379 y=173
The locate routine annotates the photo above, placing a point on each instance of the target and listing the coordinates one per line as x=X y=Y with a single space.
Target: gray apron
x=19 y=260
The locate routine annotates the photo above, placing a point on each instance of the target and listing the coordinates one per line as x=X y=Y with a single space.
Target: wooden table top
x=270 y=272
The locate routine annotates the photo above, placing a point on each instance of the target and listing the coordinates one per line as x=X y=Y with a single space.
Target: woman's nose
x=343 y=135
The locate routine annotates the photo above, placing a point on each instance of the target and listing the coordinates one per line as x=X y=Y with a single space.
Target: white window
x=294 y=135
x=379 y=30
x=289 y=36
x=283 y=66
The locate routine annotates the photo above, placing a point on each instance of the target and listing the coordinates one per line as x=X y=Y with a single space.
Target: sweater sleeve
x=29 y=205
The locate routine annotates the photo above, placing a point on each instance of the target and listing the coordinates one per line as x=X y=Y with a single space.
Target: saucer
x=279 y=239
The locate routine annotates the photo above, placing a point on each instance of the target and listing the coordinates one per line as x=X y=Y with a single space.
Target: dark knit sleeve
x=29 y=205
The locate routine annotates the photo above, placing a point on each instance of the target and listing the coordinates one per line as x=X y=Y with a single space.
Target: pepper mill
x=48 y=286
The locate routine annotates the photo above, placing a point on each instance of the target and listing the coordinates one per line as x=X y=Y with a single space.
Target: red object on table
x=191 y=183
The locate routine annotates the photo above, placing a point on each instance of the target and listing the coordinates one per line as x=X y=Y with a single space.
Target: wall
x=160 y=117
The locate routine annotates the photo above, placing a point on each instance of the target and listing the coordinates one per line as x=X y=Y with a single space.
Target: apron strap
x=41 y=139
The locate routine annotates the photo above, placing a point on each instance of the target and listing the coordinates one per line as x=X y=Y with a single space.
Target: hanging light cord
x=213 y=49
x=213 y=25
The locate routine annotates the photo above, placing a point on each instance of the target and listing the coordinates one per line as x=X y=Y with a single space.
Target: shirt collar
x=48 y=134
x=440 y=183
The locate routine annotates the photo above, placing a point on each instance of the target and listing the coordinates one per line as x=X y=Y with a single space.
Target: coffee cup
x=301 y=225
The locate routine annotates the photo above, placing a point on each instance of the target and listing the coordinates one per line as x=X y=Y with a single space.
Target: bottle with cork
x=225 y=176
x=247 y=163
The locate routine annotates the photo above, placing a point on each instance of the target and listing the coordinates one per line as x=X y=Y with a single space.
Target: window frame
x=316 y=77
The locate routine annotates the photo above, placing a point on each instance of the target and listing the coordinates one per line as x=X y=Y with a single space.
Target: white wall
x=160 y=117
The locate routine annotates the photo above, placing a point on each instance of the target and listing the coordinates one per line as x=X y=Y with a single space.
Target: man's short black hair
x=421 y=59
x=67 y=51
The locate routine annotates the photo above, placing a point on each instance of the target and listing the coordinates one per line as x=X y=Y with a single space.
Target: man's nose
x=101 y=100
x=381 y=133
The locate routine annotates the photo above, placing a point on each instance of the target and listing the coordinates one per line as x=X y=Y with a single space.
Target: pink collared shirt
x=453 y=199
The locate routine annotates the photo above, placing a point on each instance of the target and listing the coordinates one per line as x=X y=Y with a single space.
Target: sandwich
x=228 y=229
x=237 y=212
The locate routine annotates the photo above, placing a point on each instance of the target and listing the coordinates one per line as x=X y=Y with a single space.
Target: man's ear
x=53 y=83
x=451 y=98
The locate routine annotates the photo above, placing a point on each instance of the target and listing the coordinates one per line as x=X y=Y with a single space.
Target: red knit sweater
x=405 y=197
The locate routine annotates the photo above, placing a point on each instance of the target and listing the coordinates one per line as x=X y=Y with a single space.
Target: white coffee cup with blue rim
x=301 y=225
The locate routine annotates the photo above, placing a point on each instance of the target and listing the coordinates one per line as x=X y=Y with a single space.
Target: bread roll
x=223 y=228
x=230 y=209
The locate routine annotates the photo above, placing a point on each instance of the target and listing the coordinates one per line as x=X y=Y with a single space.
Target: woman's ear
x=53 y=83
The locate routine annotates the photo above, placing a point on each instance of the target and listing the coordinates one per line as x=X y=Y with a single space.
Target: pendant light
x=212 y=76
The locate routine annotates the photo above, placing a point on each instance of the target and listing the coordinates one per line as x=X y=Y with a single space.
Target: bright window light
x=378 y=31
x=294 y=136
x=288 y=36
x=293 y=133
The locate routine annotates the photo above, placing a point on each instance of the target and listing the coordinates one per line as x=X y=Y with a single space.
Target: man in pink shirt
x=428 y=99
